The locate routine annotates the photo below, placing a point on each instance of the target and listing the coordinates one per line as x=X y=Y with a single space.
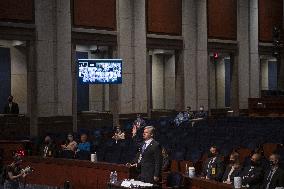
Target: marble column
x=125 y=52
x=32 y=90
x=234 y=92
x=202 y=55
x=63 y=58
x=248 y=61
x=140 y=56
x=131 y=36
x=189 y=32
x=244 y=56
x=53 y=57
x=45 y=53
x=254 y=55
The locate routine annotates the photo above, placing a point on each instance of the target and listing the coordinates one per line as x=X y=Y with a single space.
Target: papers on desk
x=135 y=183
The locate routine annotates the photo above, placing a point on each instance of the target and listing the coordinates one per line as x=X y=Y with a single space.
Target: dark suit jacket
x=235 y=173
x=51 y=152
x=216 y=171
x=151 y=162
x=276 y=181
x=14 y=109
x=253 y=178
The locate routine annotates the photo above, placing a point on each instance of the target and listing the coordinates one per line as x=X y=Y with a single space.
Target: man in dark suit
x=48 y=149
x=252 y=175
x=233 y=169
x=150 y=158
x=11 y=107
x=275 y=176
x=213 y=167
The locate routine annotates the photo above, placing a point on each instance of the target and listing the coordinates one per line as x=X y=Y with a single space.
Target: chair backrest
x=174 y=166
x=269 y=148
x=244 y=152
x=174 y=180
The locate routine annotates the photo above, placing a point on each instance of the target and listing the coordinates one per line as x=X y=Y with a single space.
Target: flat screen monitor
x=100 y=71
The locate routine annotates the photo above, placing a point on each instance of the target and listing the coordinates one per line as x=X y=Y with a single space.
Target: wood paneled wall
x=98 y=14
x=270 y=15
x=164 y=17
x=17 y=11
x=222 y=19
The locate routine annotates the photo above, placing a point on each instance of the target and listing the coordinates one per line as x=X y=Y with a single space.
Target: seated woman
x=118 y=135
x=166 y=160
x=233 y=169
x=70 y=147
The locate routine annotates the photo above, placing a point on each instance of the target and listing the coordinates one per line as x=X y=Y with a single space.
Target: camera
x=27 y=170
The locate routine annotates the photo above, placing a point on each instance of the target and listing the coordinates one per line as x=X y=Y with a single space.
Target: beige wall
x=217 y=84
x=220 y=68
x=158 y=82
x=98 y=93
x=18 y=56
x=169 y=83
x=163 y=81
x=264 y=74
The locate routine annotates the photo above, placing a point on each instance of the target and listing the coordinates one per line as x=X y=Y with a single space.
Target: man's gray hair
x=150 y=128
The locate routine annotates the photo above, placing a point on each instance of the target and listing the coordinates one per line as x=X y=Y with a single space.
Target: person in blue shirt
x=84 y=145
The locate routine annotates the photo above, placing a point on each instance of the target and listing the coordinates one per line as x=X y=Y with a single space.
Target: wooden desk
x=266 y=107
x=81 y=174
x=118 y=186
x=198 y=183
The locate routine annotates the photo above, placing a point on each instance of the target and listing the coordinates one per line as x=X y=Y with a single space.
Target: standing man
x=150 y=158
x=275 y=176
x=11 y=107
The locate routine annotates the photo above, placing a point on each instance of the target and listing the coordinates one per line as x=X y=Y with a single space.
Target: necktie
x=144 y=147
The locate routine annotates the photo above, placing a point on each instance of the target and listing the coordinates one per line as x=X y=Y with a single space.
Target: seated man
x=274 y=177
x=84 y=145
x=233 y=169
x=118 y=135
x=49 y=148
x=252 y=175
x=188 y=114
x=166 y=160
x=213 y=167
x=201 y=114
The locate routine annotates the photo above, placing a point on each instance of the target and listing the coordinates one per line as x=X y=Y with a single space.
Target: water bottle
x=115 y=177
x=95 y=157
x=111 y=177
x=186 y=169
